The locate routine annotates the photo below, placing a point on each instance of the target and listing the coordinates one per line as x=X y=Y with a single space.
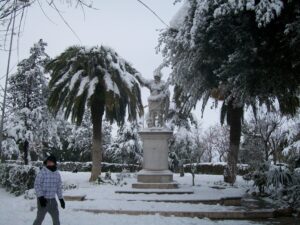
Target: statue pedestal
x=155 y=173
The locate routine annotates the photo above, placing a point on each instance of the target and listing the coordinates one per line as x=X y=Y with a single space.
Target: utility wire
x=153 y=12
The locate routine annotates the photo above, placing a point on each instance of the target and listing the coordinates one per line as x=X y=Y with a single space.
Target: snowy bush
x=124 y=174
x=127 y=146
x=214 y=168
x=260 y=180
x=17 y=178
x=279 y=182
x=293 y=196
x=85 y=166
x=30 y=194
x=279 y=176
x=69 y=186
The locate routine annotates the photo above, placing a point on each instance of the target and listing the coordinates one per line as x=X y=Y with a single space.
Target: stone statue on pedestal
x=159 y=99
x=155 y=173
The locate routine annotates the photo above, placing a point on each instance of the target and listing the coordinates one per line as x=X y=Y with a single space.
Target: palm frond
x=81 y=75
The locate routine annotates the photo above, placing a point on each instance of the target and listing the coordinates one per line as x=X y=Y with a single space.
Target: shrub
x=85 y=166
x=279 y=176
x=17 y=178
x=214 y=168
x=259 y=177
x=293 y=196
x=282 y=184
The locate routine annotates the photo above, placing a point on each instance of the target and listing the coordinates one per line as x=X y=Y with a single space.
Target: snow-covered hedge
x=214 y=168
x=278 y=182
x=17 y=178
x=85 y=166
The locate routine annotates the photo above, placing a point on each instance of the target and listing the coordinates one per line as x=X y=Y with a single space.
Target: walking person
x=47 y=185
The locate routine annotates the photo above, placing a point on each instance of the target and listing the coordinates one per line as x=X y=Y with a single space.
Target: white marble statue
x=158 y=101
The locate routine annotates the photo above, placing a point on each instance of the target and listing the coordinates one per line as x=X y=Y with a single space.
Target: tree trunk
x=97 y=111
x=25 y=149
x=234 y=119
x=266 y=151
x=275 y=157
x=266 y=155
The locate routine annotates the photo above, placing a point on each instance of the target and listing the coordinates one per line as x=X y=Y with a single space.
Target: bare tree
x=208 y=144
x=269 y=126
x=221 y=142
x=215 y=141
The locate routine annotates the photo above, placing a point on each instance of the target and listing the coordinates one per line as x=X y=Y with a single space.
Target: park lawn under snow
x=103 y=196
x=17 y=210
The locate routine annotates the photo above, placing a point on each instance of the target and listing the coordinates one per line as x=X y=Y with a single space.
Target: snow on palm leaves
x=79 y=73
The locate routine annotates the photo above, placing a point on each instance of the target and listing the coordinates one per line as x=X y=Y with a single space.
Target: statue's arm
x=142 y=80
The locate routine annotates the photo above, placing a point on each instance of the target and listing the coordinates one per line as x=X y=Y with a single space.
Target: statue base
x=155 y=173
x=148 y=179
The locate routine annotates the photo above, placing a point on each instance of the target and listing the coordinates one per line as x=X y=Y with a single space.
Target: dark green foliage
x=93 y=67
x=274 y=177
x=233 y=54
x=99 y=79
x=127 y=146
x=215 y=169
x=260 y=179
x=278 y=177
x=17 y=178
x=231 y=57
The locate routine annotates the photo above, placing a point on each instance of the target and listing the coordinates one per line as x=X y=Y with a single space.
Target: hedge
x=85 y=166
x=202 y=168
x=17 y=178
x=214 y=168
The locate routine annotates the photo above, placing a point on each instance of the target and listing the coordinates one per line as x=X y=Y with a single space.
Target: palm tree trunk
x=234 y=119
x=97 y=111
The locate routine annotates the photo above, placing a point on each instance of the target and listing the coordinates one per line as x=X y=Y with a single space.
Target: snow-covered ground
x=17 y=210
x=104 y=197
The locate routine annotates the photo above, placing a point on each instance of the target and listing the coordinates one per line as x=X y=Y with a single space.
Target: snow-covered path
x=17 y=210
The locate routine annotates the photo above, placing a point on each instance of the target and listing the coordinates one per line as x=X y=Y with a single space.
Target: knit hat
x=51 y=158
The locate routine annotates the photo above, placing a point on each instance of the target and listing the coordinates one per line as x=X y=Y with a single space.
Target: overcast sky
x=125 y=25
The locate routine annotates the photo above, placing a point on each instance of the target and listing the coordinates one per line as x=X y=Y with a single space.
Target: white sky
x=124 y=25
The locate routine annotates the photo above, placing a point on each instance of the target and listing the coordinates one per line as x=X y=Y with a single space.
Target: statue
x=155 y=173
x=158 y=101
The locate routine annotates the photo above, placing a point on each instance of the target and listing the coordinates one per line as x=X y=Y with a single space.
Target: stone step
x=242 y=215
x=74 y=197
x=230 y=201
x=139 y=185
x=156 y=191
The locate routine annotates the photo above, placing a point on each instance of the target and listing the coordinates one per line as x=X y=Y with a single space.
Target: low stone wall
x=214 y=168
x=85 y=166
x=17 y=178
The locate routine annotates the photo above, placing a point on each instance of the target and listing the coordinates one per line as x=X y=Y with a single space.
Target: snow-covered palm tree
x=97 y=78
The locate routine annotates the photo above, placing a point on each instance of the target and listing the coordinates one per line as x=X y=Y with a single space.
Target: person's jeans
x=50 y=208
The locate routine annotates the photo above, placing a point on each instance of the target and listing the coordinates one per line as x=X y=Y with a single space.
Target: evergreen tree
x=127 y=146
x=65 y=132
x=107 y=141
x=183 y=144
x=240 y=52
x=29 y=122
x=81 y=142
x=292 y=151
